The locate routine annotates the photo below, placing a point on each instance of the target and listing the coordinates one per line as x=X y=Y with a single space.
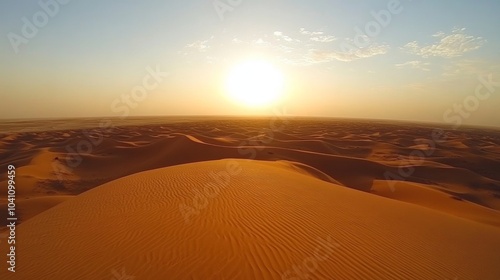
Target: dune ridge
x=268 y=219
x=304 y=179
x=52 y=162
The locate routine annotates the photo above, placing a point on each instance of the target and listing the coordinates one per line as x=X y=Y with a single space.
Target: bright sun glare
x=255 y=83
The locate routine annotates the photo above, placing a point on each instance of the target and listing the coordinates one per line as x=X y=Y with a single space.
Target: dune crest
x=265 y=221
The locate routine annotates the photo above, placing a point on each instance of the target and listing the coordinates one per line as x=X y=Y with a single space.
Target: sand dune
x=304 y=180
x=53 y=164
x=439 y=199
x=30 y=207
x=258 y=223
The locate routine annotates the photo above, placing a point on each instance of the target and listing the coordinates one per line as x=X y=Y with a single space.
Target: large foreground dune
x=251 y=199
x=243 y=219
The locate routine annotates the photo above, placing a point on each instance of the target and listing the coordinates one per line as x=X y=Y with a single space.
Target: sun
x=255 y=83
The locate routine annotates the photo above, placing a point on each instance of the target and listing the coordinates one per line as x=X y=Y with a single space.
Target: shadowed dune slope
x=242 y=219
x=355 y=154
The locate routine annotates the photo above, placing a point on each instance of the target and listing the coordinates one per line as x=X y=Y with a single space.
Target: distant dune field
x=260 y=198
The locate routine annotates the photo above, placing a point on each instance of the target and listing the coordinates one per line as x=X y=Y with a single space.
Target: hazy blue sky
x=420 y=64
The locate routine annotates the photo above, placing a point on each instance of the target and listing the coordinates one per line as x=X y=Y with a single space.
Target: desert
x=233 y=198
x=252 y=140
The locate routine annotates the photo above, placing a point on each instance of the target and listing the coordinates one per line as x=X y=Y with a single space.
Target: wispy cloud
x=415 y=64
x=320 y=49
x=303 y=31
x=449 y=45
x=323 y=39
x=201 y=46
x=319 y=56
x=317 y=36
x=280 y=36
x=302 y=47
x=467 y=67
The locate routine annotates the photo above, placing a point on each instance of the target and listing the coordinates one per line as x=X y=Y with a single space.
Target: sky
x=426 y=61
